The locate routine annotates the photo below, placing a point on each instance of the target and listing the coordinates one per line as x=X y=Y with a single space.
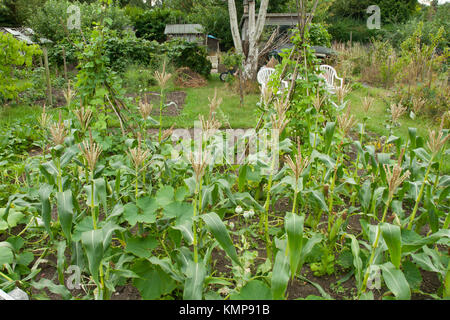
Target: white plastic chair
x=330 y=75
x=263 y=78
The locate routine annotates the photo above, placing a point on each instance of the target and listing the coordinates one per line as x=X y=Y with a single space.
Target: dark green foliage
x=150 y=24
x=188 y=54
x=319 y=36
x=391 y=11
x=50 y=20
x=432 y=19
x=15 y=12
x=341 y=28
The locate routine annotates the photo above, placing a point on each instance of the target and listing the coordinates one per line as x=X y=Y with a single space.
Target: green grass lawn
x=230 y=112
x=379 y=114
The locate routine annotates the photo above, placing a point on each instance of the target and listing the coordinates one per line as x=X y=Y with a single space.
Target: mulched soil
x=58 y=99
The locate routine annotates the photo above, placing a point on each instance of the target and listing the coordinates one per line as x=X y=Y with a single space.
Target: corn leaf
x=93 y=244
x=294 y=231
x=65 y=212
x=396 y=282
x=392 y=237
x=46 y=210
x=195 y=276
x=218 y=229
x=280 y=275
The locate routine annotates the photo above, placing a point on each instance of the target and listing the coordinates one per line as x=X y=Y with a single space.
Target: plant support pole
x=47 y=76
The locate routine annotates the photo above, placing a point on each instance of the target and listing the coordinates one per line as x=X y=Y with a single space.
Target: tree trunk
x=255 y=29
x=234 y=26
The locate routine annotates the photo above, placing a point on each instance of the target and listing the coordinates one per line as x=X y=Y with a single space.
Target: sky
x=428 y=1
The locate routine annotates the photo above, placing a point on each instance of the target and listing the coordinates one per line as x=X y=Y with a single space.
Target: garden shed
x=23 y=34
x=188 y=32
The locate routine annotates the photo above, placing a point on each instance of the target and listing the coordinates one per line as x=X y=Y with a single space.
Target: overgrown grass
x=379 y=116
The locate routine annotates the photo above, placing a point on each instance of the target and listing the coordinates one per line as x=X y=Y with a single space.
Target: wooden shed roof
x=184 y=29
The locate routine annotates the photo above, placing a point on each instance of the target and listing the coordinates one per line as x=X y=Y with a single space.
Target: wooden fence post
x=47 y=76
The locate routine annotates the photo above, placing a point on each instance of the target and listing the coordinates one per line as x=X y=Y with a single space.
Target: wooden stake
x=47 y=75
x=65 y=65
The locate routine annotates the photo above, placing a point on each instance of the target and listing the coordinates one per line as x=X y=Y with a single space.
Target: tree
x=391 y=11
x=255 y=29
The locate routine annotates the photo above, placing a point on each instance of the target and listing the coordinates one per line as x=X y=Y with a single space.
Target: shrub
x=391 y=11
x=188 y=54
x=341 y=28
x=151 y=24
x=126 y=50
x=318 y=35
x=14 y=54
x=398 y=33
x=50 y=20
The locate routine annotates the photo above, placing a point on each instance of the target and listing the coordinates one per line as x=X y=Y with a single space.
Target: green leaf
x=46 y=210
x=25 y=258
x=357 y=262
x=65 y=212
x=396 y=282
x=61 y=260
x=186 y=231
x=280 y=275
x=68 y=155
x=294 y=230
x=148 y=206
x=100 y=192
x=93 y=244
x=365 y=195
x=253 y=290
x=54 y=288
x=164 y=196
x=308 y=247
x=220 y=232
x=166 y=264
x=329 y=132
x=14 y=217
x=392 y=237
x=195 y=276
x=181 y=193
x=242 y=181
x=411 y=241
x=50 y=171
x=6 y=256
x=412 y=275
x=317 y=199
x=108 y=230
x=141 y=247
x=429 y=261
x=130 y=213
x=86 y=224
x=16 y=243
x=153 y=282
x=181 y=211
x=422 y=154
